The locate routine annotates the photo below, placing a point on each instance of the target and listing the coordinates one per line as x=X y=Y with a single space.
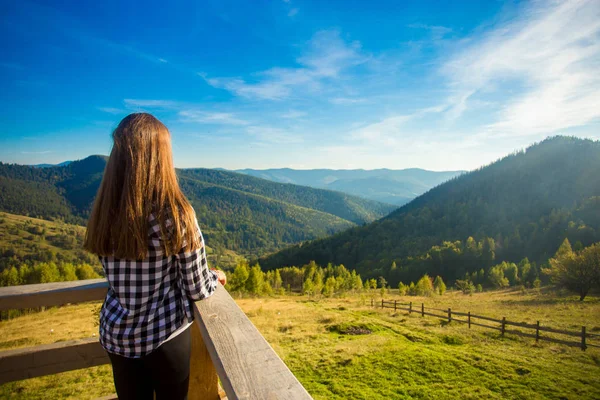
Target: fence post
x=583 y=345
x=503 y=325
x=449 y=315
x=469 y=316
x=537 y=332
x=381 y=303
x=410 y=308
x=394 y=305
x=422 y=309
x=371 y=302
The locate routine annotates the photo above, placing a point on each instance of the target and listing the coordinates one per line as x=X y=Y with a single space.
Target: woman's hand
x=221 y=275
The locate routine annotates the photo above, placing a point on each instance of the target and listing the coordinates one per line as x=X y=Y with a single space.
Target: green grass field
x=403 y=356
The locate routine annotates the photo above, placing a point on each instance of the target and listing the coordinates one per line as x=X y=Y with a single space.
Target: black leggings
x=165 y=371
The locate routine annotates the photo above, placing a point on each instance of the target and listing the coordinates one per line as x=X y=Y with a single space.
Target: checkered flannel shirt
x=149 y=299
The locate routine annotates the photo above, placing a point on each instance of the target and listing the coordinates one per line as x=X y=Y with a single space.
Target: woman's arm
x=199 y=281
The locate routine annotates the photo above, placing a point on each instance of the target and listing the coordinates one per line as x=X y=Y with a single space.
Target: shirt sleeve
x=199 y=282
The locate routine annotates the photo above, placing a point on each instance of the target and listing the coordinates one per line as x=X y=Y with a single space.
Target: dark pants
x=164 y=372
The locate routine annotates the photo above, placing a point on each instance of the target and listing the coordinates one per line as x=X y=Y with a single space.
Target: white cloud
x=347 y=100
x=293 y=12
x=545 y=65
x=112 y=110
x=437 y=32
x=387 y=131
x=211 y=117
x=162 y=60
x=326 y=56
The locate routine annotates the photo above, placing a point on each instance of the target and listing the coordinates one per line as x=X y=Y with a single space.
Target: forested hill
x=238 y=212
x=523 y=205
x=351 y=208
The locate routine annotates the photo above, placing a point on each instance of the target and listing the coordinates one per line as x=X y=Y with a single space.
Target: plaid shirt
x=149 y=299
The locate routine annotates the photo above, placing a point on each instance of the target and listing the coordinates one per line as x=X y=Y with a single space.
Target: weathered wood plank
x=246 y=363
x=204 y=382
x=49 y=359
x=52 y=294
x=434 y=315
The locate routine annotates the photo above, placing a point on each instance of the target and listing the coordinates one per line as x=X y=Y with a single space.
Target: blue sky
x=303 y=84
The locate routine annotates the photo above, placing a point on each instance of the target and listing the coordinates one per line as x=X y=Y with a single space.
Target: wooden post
x=503 y=325
x=394 y=305
x=422 y=309
x=204 y=382
x=371 y=302
x=449 y=315
x=410 y=308
x=469 y=319
x=381 y=303
x=583 y=345
x=537 y=332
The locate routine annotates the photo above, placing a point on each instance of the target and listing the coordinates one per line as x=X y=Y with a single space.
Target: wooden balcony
x=225 y=346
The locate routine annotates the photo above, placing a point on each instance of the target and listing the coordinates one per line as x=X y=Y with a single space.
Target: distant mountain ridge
x=396 y=187
x=237 y=212
x=523 y=205
x=62 y=164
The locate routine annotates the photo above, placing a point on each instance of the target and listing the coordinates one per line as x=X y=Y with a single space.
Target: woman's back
x=146 y=235
x=149 y=299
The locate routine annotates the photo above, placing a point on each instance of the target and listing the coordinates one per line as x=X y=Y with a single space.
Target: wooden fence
x=472 y=319
x=225 y=346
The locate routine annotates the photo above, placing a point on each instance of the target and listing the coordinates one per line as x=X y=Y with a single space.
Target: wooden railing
x=225 y=345
x=450 y=315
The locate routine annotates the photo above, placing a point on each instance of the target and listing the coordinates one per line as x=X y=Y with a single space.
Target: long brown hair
x=139 y=179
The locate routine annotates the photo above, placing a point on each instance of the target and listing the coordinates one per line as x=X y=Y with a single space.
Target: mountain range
x=523 y=205
x=242 y=213
x=396 y=187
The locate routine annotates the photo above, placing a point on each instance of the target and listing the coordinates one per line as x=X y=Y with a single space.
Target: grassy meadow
x=28 y=239
x=404 y=356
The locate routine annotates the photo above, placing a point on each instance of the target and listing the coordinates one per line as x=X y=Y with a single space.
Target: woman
x=146 y=235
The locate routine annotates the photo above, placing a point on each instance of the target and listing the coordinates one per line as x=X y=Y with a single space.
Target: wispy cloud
x=292 y=114
x=347 y=100
x=112 y=110
x=211 y=117
x=37 y=152
x=326 y=56
x=386 y=131
x=436 y=31
x=543 y=66
x=293 y=12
